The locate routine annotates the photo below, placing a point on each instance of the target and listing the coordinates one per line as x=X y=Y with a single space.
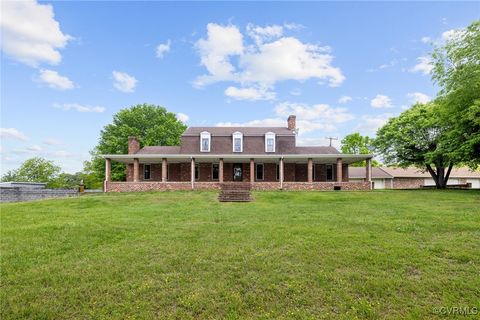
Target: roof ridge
x=381 y=168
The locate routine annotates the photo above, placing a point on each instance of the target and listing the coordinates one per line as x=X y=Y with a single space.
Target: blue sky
x=342 y=67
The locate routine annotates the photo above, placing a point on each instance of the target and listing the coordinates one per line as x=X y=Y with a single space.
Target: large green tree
x=355 y=143
x=151 y=124
x=418 y=137
x=34 y=170
x=457 y=71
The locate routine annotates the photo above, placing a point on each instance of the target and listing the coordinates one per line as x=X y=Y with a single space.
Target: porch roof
x=318 y=158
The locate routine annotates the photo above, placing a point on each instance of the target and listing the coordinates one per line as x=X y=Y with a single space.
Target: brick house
x=413 y=178
x=266 y=157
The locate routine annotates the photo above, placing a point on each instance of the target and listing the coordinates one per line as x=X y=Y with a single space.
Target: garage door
x=475 y=183
x=379 y=183
x=431 y=182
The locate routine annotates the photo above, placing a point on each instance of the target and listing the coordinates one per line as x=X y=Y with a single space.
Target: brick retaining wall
x=16 y=194
x=113 y=186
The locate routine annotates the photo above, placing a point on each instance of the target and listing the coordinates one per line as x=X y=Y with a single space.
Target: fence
x=16 y=194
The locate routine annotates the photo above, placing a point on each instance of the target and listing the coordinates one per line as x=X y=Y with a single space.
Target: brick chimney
x=292 y=122
x=133 y=145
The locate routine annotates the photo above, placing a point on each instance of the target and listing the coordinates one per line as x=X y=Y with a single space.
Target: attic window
x=270 y=142
x=205 y=139
x=237 y=141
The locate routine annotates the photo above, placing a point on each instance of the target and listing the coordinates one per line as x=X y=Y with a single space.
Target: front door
x=237 y=172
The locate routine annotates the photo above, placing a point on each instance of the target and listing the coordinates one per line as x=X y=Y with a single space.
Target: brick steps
x=235 y=192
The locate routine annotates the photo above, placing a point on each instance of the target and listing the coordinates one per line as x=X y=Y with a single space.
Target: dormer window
x=237 y=141
x=205 y=139
x=270 y=142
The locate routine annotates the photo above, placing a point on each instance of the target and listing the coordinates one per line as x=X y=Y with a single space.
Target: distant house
x=412 y=178
x=266 y=157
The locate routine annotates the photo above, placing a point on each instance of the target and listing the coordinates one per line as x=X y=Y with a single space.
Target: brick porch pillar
x=192 y=172
x=136 y=169
x=220 y=170
x=310 y=170
x=108 y=169
x=164 y=170
x=281 y=173
x=252 y=171
x=339 y=170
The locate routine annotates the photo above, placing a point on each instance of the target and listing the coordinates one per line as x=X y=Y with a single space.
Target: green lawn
x=392 y=254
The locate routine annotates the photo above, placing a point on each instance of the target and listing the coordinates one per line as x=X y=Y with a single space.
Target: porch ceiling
x=264 y=158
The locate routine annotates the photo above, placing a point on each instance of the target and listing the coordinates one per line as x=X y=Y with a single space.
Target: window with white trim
x=205 y=139
x=237 y=141
x=146 y=172
x=270 y=142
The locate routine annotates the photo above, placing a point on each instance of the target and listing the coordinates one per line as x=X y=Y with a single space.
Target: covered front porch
x=264 y=172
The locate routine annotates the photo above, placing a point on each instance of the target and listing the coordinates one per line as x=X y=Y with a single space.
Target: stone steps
x=235 y=192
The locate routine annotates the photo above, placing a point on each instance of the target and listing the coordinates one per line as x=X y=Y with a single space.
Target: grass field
x=346 y=255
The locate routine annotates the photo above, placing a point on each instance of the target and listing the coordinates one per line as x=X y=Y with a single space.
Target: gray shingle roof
x=360 y=172
x=316 y=150
x=418 y=173
x=159 y=150
x=248 y=131
x=392 y=172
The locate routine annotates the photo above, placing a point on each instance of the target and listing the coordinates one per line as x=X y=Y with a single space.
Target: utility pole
x=331 y=138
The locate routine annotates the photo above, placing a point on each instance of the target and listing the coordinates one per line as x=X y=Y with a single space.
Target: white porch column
x=310 y=170
x=281 y=173
x=252 y=171
x=220 y=170
x=136 y=169
x=339 y=170
x=192 y=172
x=164 y=170
x=368 y=168
x=108 y=169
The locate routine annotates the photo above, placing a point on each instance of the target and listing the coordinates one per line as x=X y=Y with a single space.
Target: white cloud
x=262 y=34
x=12 y=133
x=344 y=99
x=426 y=39
x=419 y=97
x=54 y=80
x=272 y=57
x=318 y=141
x=289 y=59
x=162 y=49
x=390 y=64
x=317 y=112
x=381 y=101
x=182 y=117
x=424 y=65
x=370 y=124
x=30 y=33
x=124 y=82
x=34 y=148
x=52 y=142
x=269 y=122
x=452 y=34
x=215 y=51
x=251 y=94
x=309 y=117
x=296 y=92
x=79 y=107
